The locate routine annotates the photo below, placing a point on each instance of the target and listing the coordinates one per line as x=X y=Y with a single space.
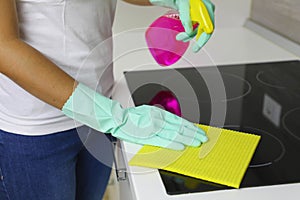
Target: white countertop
x=227 y=46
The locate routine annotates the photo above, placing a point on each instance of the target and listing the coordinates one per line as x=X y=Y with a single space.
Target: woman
x=48 y=77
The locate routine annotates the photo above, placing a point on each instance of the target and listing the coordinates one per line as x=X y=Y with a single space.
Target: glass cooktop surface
x=260 y=98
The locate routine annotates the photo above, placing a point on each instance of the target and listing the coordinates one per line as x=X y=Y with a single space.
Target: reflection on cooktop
x=291 y=122
x=259 y=98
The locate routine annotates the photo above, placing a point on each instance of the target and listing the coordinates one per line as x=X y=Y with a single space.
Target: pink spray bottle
x=161 y=39
x=161 y=34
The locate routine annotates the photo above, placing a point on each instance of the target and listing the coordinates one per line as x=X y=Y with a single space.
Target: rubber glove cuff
x=87 y=106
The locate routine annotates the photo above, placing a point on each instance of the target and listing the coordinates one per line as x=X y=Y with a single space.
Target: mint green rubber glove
x=204 y=37
x=142 y=125
x=184 y=8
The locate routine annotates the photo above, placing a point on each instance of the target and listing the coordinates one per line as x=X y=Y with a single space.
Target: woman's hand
x=142 y=125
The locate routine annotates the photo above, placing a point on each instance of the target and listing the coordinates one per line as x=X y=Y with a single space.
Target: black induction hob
x=260 y=98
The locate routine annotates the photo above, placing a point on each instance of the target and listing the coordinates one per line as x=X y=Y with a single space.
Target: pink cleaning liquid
x=161 y=39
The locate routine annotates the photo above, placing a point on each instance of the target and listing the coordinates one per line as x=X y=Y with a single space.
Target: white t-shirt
x=74 y=34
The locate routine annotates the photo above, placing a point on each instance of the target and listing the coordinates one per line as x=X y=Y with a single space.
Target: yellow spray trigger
x=200 y=15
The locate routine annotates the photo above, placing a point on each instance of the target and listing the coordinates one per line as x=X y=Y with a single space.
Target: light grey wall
x=229 y=13
x=281 y=16
x=130 y=16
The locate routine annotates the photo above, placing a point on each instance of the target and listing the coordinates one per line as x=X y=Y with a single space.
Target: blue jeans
x=69 y=165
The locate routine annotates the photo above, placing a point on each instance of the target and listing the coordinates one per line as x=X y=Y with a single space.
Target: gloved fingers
x=210 y=6
x=185 y=128
x=184 y=37
x=180 y=138
x=199 y=32
x=201 y=137
x=154 y=140
x=177 y=136
x=184 y=15
x=165 y=3
x=188 y=141
x=168 y=124
x=211 y=9
x=191 y=129
x=204 y=37
x=165 y=138
x=164 y=143
x=194 y=132
x=201 y=38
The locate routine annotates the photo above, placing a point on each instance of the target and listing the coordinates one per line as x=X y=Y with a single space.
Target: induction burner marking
x=290 y=122
x=228 y=80
x=241 y=87
x=260 y=76
x=247 y=87
x=277 y=79
x=269 y=150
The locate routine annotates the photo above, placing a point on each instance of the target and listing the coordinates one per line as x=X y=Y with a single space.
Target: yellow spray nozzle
x=200 y=15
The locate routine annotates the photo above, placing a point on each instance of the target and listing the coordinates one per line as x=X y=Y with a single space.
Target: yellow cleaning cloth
x=225 y=164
